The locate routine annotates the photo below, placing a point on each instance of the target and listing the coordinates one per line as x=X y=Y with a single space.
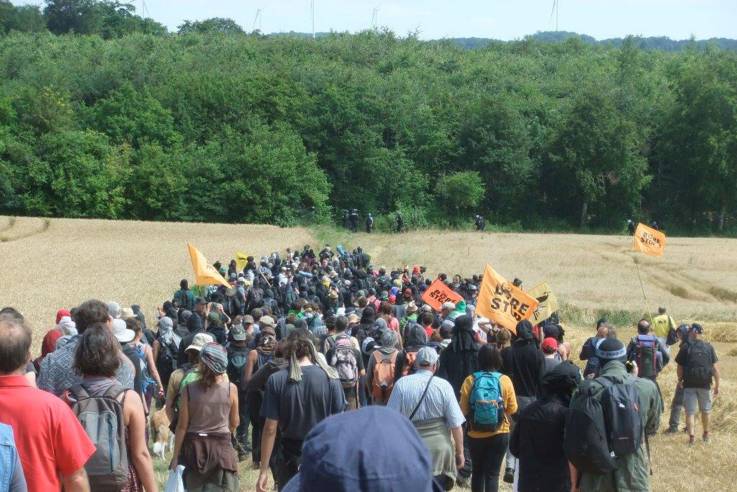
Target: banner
x=240 y=261
x=503 y=303
x=205 y=274
x=547 y=303
x=438 y=293
x=649 y=241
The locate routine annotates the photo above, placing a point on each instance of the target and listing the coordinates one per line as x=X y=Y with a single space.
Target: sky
x=434 y=19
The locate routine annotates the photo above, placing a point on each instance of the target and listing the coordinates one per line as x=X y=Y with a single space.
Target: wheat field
x=48 y=264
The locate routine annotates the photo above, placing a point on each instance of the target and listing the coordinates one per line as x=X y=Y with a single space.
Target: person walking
x=295 y=400
x=631 y=470
x=676 y=406
x=537 y=438
x=430 y=404
x=526 y=367
x=208 y=416
x=97 y=360
x=648 y=352
x=697 y=371
x=662 y=325
x=51 y=443
x=12 y=478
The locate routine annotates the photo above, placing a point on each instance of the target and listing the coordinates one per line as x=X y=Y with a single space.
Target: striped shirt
x=440 y=401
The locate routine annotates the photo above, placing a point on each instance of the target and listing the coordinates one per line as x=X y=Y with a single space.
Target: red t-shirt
x=49 y=438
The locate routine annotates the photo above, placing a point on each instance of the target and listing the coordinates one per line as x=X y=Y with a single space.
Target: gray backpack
x=102 y=418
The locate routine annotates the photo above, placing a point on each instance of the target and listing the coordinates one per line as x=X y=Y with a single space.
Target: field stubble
x=45 y=265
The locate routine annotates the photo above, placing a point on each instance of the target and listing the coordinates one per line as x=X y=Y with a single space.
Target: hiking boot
x=509 y=475
x=671 y=430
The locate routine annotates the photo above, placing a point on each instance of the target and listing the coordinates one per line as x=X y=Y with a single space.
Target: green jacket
x=633 y=472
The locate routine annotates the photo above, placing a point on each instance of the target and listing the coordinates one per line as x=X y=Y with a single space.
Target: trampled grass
x=60 y=264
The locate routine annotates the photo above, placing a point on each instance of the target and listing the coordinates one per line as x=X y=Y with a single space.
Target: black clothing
x=455 y=366
x=528 y=367
x=537 y=441
x=486 y=461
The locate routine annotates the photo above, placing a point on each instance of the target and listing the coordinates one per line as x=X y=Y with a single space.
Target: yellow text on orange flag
x=649 y=241
x=205 y=274
x=503 y=303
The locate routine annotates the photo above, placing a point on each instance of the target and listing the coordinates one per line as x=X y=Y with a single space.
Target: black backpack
x=698 y=370
x=167 y=360
x=237 y=358
x=621 y=404
x=585 y=440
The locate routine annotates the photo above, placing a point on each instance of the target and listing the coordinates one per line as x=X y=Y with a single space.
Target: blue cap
x=374 y=449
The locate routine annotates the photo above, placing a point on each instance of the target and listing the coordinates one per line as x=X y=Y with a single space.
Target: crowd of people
x=320 y=368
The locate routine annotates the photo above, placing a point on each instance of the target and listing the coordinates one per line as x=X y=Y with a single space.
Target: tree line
x=116 y=118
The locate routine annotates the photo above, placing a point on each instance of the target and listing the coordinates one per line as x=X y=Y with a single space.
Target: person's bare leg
x=689 y=427
x=705 y=425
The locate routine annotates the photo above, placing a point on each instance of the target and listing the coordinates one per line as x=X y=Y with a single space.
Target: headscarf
x=562 y=380
x=166 y=330
x=462 y=338
x=67 y=327
x=524 y=331
x=295 y=370
x=267 y=340
x=416 y=336
x=214 y=357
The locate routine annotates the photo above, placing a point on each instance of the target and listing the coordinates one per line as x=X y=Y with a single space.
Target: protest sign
x=205 y=274
x=502 y=302
x=547 y=303
x=649 y=241
x=240 y=260
x=438 y=293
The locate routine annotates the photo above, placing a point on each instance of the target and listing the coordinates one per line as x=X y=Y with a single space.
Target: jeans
x=522 y=403
x=676 y=407
x=486 y=458
x=241 y=432
x=288 y=459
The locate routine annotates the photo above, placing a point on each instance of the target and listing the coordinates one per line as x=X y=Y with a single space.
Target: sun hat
x=199 y=341
x=238 y=333
x=266 y=321
x=121 y=332
x=127 y=313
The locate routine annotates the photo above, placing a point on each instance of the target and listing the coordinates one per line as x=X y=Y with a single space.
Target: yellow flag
x=240 y=260
x=547 y=303
x=649 y=241
x=205 y=274
x=502 y=302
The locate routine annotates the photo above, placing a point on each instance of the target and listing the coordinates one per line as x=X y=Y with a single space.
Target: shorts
x=692 y=396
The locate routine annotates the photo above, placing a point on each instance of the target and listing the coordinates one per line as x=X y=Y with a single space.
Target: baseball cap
x=426 y=356
x=199 y=341
x=550 y=345
x=121 y=332
x=338 y=451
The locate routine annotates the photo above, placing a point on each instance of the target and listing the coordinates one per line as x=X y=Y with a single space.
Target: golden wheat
x=48 y=265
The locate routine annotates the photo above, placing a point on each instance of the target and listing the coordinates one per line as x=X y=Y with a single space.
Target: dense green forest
x=106 y=114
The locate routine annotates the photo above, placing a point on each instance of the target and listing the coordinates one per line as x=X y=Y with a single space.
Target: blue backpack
x=487 y=404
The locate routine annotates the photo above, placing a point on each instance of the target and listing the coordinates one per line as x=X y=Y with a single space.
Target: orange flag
x=503 y=303
x=205 y=274
x=438 y=293
x=649 y=241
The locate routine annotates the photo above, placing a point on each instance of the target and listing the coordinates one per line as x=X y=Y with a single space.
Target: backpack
x=383 y=376
x=698 y=369
x=585 y=440
x=103 y=420
x=646 y=356
x=409 y=363
x=486 y=402
x=344 y=361
x=621 y=404
x=166 y=363
x=237 y=358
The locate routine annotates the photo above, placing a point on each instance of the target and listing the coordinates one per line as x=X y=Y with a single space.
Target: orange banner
x=438 y=293
x=649 y=241
x=503 y=303
x=205 y=274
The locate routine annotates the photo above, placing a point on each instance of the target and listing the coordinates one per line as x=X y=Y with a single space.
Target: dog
x=162 y=436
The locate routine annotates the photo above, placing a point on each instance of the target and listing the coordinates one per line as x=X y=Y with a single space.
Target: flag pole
x=639 y=276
